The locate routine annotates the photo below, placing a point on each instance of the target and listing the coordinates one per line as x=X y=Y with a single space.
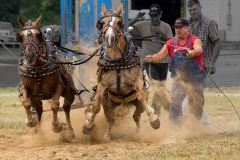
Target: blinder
x=100 y=24
x=18 y=36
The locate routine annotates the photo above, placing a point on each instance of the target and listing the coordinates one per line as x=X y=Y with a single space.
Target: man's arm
x=197 y=49
x=139 y=17
x=158 y=56
x=216 y=51
x=214 y=36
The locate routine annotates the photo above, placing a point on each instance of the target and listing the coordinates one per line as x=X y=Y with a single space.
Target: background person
x=186 y=70
x=207 y=30
x=154 y=27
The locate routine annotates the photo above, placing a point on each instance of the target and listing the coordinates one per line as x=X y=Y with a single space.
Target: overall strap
x=189 y=40
x=175 y=42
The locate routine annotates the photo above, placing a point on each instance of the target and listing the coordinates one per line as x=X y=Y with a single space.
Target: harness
x=53 y=62
x=130 y=59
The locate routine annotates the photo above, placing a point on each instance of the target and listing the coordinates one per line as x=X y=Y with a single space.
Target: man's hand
x=190 y=53
x=149 y=58
x=210 y=68
x=140 y=16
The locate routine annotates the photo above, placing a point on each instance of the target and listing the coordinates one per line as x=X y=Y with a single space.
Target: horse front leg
x=56 y=123
x=141 y=96
x=90 y=113
x=30 y=121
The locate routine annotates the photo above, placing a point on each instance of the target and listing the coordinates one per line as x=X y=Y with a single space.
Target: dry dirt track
x=125 y=142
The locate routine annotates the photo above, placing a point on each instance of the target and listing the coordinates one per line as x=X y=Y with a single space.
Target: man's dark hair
x=190 y=3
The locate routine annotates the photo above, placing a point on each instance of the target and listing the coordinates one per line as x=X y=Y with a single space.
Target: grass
x=225 y=90
x=224 y=143
x=11 y=112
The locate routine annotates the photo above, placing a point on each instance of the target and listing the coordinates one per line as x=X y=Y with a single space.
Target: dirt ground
x=125 y=141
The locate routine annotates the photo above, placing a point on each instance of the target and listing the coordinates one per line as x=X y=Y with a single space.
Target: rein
x=147 y=38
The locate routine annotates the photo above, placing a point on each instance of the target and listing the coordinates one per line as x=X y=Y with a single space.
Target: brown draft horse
x=120 y=78
x=44 y=77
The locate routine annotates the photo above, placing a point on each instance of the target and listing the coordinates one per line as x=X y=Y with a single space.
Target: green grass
x=8 y=90
x=12 y=112
x=225 y=90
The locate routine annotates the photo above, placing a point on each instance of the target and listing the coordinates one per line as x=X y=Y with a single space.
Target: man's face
x=155 y=18
x=181 y=32
x=195 y=11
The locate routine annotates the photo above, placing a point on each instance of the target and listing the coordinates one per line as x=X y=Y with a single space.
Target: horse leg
x=137 y=114
x=141 y=96
x=56 y=123
x=37 y=105
x=69 y=135
x=27 y=103
x=90 y=113
x=108 y=107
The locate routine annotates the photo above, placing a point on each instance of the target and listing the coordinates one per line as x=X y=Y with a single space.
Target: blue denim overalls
x=188 y=78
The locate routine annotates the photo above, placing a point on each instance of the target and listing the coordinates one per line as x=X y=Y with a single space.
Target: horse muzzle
x=110 y=40
x=31 y=58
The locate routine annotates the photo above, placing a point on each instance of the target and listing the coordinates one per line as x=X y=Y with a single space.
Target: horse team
x=45 y=75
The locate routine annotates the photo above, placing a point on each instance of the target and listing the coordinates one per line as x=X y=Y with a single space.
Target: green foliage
x=11 y=10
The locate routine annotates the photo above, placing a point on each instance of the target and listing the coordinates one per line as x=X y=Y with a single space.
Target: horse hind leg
x=141 y=96
x=108 y=107
x=137 y=114
x=68 y=134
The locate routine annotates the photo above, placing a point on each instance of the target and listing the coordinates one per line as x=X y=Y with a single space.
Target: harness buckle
x=119 y=96
x=40 y=95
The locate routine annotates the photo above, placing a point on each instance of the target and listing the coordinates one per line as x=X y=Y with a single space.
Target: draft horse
x=44 y=76
x=120 y=77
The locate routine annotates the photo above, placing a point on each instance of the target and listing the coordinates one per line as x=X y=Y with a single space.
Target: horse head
x=111 y=26
x=31 y=38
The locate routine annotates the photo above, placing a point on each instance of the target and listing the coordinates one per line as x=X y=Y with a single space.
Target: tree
x=11 y=10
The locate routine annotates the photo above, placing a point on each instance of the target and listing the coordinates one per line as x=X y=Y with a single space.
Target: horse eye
x=39 y=35
x=119 y=23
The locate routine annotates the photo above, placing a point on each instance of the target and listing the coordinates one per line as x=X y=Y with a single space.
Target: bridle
x=99 y=25
x=38 y=47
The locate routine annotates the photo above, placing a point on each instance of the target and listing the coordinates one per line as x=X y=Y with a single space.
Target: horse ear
x=21 y=22
x=38 y=21
x=104 y=10
x=119 y=10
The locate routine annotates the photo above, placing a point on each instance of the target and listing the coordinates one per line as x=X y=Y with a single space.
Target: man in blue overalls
x=186 y=67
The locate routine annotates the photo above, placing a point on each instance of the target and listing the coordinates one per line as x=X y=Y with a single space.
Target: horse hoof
x=67 y=136
x=31 y=124
x=155 y=124
x=86 y=130
x=106 y=137
x=57 y=128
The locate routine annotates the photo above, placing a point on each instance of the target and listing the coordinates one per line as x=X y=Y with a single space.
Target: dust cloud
x=124 y=128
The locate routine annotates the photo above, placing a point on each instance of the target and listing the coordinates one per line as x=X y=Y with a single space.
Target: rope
x=215 y=85
x=210 y=79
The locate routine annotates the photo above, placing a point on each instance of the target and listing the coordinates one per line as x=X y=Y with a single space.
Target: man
x=207 y=30
x=186 y=70
x=163 y=32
